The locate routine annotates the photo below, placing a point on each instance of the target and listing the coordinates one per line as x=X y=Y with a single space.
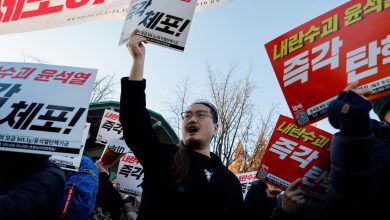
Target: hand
x=350 y=111
x=135 y=46
x=362 y=92
x=101 y=168
x=293 y=197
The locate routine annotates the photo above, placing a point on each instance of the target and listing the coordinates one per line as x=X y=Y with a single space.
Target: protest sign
x=164 y=23
x=130 y=175
x=297 y=152
x=72 y=163
x=246 y=181
x=318 y=59
x=25 y=15
x=113 y=151
x=39 y=111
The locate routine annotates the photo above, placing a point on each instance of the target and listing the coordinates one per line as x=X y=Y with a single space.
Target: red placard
x=297 y=152
x=318 y=59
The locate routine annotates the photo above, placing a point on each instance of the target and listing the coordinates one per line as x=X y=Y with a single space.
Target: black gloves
x=350 y=113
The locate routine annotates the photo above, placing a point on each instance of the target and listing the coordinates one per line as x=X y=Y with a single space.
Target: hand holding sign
x=354 y=87
x=135 y=46
x=350 y=111
x=293 y=197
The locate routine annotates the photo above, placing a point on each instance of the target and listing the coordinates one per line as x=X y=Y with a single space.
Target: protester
x=30 y=186
x=108 y=197
x=360 y=156
x=180 y=182
x=79 y=198
x=260 y=201
x=294 y=204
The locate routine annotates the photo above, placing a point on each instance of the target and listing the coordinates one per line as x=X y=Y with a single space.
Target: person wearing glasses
x=184 y=181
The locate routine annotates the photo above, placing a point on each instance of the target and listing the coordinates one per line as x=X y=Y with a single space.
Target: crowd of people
x=188 y=181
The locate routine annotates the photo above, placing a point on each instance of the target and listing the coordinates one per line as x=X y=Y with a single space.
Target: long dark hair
x=180 y=166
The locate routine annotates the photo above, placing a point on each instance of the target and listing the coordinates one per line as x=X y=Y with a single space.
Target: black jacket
x=30 y=186
x=257 y=204
x=194 y=198
x=360 y=174
x=108 y=198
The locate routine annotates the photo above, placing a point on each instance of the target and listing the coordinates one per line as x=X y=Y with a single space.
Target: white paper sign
x=246 y=180
x=118 y=146
x=43 y=108
x=72 y=163
x=164 y=23
x=110 y=127
x=130 y=175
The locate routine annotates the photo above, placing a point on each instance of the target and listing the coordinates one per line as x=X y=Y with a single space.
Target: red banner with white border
x=297 y=152
x=318 y=59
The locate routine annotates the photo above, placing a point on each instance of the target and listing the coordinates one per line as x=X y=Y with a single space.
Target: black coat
x=257 y=204
x=195 y=197
x=360 y=180
x=108 y=197
x=30 y=186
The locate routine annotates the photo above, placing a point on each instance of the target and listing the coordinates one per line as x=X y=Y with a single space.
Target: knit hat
x=214 y=111
x=381 y=106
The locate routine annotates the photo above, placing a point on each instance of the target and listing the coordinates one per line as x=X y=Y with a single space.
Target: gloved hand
x=350 y=113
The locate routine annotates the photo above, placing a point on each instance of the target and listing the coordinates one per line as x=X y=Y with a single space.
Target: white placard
x=72 y=163
x=110 y=127
x=43 y=108
x=166 y=23
x=246 y=180
x=130 y=175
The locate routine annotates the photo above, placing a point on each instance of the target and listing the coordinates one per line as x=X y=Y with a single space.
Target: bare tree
x=266 y=127
x=241 y=138
x=34 y=59
x=103 y=88
x=236 y=111
x=183 y=94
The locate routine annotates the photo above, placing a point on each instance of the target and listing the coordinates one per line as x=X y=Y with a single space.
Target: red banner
x=297 y=152
x=318 y=59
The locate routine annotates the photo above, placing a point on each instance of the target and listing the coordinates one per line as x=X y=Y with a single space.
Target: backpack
x=80 y=191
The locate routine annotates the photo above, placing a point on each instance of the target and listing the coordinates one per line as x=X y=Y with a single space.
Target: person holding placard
x=184 y=181
x=360 y=156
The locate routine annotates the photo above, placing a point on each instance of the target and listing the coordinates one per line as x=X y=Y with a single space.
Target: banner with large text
x=318 y=59
x=26 y=15
x=130 y=175
x=297 y=152
x=43 y=108
x=166 y=23
x=246 y=181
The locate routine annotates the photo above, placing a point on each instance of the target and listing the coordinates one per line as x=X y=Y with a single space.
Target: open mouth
x=192 y=129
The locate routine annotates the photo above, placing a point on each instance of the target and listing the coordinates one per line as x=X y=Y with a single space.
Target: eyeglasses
x=201 y=114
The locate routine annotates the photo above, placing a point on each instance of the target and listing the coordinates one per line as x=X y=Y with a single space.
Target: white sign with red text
x=165 y=23
x=246 y=181
x=110 y=127
x=130 y=175
x=43 y=108
x=28 y=15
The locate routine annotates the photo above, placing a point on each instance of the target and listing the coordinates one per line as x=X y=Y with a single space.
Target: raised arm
x=134 y=117
x=352 y=183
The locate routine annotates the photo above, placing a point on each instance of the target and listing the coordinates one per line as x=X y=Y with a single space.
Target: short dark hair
x=213 y=112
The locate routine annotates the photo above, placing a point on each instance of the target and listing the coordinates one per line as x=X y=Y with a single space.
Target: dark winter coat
x=30 y=186
x=195 y=197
